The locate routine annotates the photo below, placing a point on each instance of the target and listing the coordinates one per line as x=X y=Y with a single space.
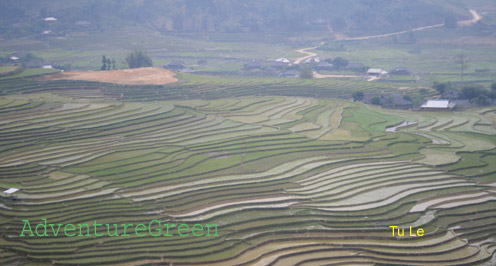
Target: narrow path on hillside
x=475 y=18
x=308 y=54
x=321 y=76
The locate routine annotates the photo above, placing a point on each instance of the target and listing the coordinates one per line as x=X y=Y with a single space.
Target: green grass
x=30 y=72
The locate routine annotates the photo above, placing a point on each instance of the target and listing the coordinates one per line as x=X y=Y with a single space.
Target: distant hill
x=26 y=17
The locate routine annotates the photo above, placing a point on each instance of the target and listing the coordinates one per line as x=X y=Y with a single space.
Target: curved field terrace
x=286 y=179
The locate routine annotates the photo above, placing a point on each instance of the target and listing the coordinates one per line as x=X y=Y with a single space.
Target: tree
x=450 y=22
x=473 y=91
x=104 y=63
x=442 y=87
x=357 y=96
x=108 y=64
x=138 y=59
x=492 y=94
x=113 y=63
x=306 y=73
x=339 y=62
x=482 y=100
x=462 y=60
x=376 y=100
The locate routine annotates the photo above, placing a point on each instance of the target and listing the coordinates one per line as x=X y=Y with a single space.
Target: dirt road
x=304 y=51
x=475 y=18
x=320 y=76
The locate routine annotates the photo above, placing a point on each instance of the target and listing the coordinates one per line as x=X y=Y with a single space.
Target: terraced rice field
x=288 y=180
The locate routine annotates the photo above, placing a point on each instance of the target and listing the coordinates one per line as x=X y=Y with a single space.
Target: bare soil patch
x=322 y=76
x=135 y=76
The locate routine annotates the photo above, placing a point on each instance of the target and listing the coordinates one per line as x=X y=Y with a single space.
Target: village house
x=437 y=105
x=291 y=74
x=323 y=66
x=312 y=60
x=282 y=59
x=50 y=19
x=451 y=95
x=278 y=65
x=185 y=70
x=82 y=23
x=376 y=72
x=400 y=70
x=175 y=65
x=356 y=67
x=392 y=100
x=254 y=65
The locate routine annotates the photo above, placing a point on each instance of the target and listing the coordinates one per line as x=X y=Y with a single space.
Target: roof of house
x=82 y=23
x=436 y=104
x=282 y=59
x=463 y=103
x=374 y=71
x=452 y=95
x=291 y=72
x=20 y=54
x=400 y=68
x=353 y=65
x=278 y=64
x=254 y=64
x=324 y=64
x=176 y=63
x=312 y=60
x=399 y=99
x=186 y=70
x=11 y=190
x=392 y=98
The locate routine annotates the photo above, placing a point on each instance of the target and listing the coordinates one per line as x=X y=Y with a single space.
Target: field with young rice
x=289 y=175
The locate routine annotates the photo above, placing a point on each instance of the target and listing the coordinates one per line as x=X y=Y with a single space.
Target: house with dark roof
x=451 y=95
x=291 y=74
x=312 y=60
x=357 y=67
x=400 y=70
x=461 y=104
x=278 y=66
x=185 y=70
x=20 y=54
x=175 y=65
x=323 y=66
x=392 y=100
x=254 y=65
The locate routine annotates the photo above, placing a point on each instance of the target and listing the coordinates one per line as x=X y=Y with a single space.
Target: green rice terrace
x=287 y=178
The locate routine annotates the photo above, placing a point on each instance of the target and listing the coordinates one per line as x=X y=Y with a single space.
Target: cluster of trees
x=474 y=92
x=224 y=15
x=338 y=62
x=306 y=72
x=107 y=63
x=478 y=94
x=134 y=59
x=138 y=59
